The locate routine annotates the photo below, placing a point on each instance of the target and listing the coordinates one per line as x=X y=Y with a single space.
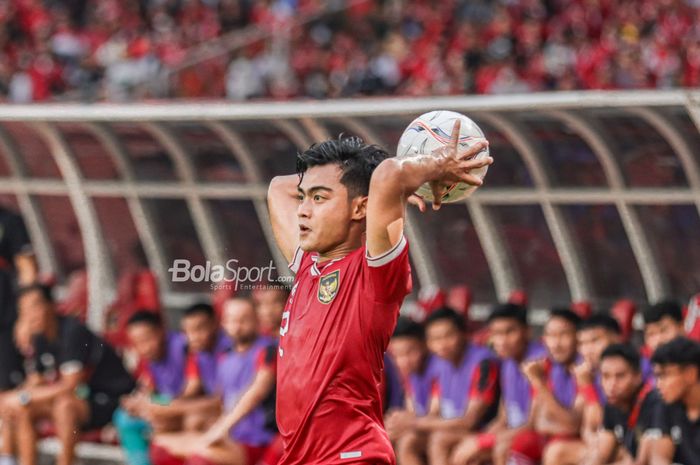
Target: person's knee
x=556 y=453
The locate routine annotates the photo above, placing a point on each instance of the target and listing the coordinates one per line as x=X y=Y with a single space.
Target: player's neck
x=340 y=250
x=692 y=402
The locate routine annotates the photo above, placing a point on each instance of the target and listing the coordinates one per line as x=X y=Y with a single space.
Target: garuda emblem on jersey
x=328 y=287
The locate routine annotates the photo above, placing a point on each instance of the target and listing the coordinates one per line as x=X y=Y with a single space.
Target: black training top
x=77 y=348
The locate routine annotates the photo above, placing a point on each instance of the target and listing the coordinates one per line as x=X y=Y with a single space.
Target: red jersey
x=335 y=329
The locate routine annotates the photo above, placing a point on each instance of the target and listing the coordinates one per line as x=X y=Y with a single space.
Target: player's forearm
x=282 y=205
x=45 y=393
x=551 y=407
x=27 y=270
x=181 y=406
x=403 y=175
x=248 y=402
x=434 y=423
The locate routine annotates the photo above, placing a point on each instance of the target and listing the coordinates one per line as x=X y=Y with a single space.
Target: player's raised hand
x=457 y=165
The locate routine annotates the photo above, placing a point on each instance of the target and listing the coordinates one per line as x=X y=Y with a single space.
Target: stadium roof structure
x=594 y=195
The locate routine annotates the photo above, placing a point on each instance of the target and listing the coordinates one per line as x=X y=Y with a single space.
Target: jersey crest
x=328 y=287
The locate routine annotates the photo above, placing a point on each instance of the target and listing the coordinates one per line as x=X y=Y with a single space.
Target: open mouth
x=304 y=229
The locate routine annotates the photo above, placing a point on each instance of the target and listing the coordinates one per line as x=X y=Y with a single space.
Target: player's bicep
x=386 y=207
x=282 y=203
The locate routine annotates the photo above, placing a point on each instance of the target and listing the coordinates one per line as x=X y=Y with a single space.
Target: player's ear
x=359 y=208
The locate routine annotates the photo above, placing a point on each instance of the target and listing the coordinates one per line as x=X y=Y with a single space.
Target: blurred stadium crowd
x=588 y=389
x=244 y=49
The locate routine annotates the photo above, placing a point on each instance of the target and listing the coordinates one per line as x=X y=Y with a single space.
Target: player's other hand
x=457 y=165
x=534 y=372
x=583 y=372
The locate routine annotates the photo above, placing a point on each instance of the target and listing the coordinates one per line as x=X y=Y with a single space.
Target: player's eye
x=300 y=197
x=317 y=198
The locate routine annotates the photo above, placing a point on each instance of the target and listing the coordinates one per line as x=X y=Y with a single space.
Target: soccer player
x=17 y=268
x=663 y=322
x=509 y=335
x=416 y=367
x=629 y=412
x=245 y=386
x=74 y=378
x=340 y=224
x=554 y=414
x=677 y=373
x=467 y=385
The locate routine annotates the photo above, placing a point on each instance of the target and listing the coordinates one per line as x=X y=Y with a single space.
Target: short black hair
x=449 y=314
x=509 y=311
x=356 y=159
x=667 y=308
x=406 y=327
x=44 y=289
x=679 y=351
x=565 y=314
x=626 y=351
x=146 y=317
x=200 y=308
x=600 y=320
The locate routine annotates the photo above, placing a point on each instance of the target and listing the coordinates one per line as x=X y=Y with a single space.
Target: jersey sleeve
x=18 y=239
x=608 y=418
x=76 y=347
x=390 y=273
x=295 y=264
x=484 y=382
x=661 y=422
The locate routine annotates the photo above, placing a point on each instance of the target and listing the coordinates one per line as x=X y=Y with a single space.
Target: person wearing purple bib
x=245 y=383
x=206 y=344
x=554 y=414
x=509 y=336
x=160 y=377
x=416 y=368
x=467 y=380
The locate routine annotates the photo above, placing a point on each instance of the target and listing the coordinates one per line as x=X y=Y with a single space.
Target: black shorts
x=102 y=407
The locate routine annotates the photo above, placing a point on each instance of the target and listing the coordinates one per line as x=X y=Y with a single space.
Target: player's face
x=619 y=380
x=560 y=339
x=240 y=321
x=408 y=353
x=325 y=211
x=661 y=332
x=445 y=340
x=673 y=381
x=593 y=341
x=34 y=310
x=269 y=304
x=200 y=330
x=147 y=340
x=508 y=337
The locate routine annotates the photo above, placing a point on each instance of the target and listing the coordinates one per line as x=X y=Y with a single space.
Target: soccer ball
x=432 y=130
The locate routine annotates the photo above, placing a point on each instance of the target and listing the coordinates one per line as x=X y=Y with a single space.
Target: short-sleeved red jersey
x=335 y=329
